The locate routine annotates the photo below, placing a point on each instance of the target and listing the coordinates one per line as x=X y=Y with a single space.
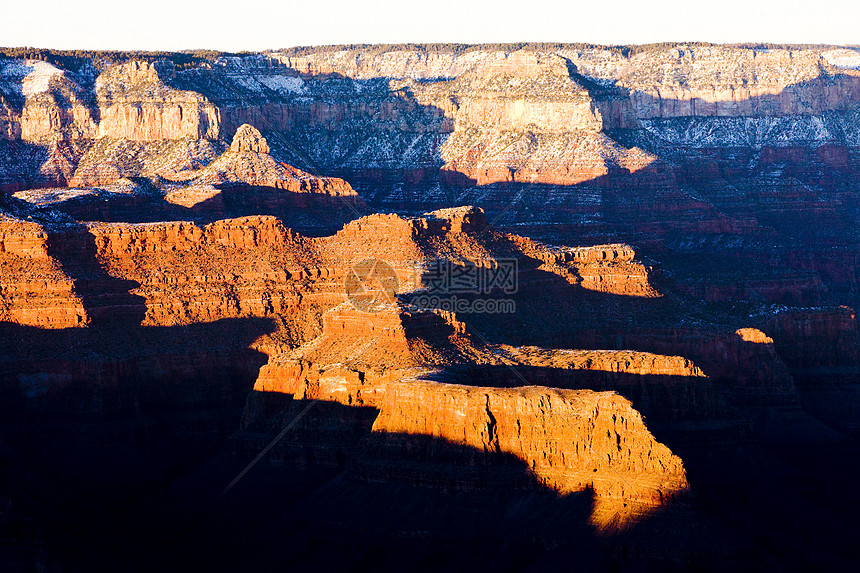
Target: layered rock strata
x=35 y=290
x=558 y=434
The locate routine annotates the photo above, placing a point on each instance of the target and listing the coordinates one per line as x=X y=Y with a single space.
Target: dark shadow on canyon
x=758 y=463
x=332 y=495
x=797 y=250
x=21 y=167
x=95 y=420
x=124 y=473
x=107 y=300
x=765 y=500
x=743 y=378
x=115 y=443
x=311 y=214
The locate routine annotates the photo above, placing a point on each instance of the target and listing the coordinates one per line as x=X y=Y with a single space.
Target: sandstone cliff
x=34 y=289
x=558 y=433
x=135 y=103
x=571 y=440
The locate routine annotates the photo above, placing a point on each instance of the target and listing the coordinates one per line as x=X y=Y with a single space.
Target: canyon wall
x=561 y=435
x=160 y=257
x=420 y=98
x=34 y=289
x=135 y=103
x=180 y=319
x=615 y=455
x=480 y=101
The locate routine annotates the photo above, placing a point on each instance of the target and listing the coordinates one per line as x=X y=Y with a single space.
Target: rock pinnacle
x=249 y=138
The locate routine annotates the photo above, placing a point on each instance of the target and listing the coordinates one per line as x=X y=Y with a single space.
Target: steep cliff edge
x=561 y=435
x=136 y=103
x=35 y=290
x=43 y=103
x=571 y=440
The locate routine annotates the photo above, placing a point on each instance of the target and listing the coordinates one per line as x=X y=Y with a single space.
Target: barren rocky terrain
x=430 y=307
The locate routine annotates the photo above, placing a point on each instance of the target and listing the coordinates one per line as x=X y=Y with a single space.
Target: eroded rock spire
x=249 y=138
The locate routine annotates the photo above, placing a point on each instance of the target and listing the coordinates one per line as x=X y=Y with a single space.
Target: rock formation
x=136 y=103
x=248 y=163
x=531 y=423
x=34 y=289
x=249 y=139
x=687 y=134
x=639 y=346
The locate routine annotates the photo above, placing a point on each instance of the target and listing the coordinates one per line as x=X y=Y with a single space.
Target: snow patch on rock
x=48 y=196
x=284 y=84
x=35 y=76
x=248 y=82
x=843 y=58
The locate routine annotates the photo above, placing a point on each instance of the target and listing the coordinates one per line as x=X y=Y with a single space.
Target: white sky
x=242 y=25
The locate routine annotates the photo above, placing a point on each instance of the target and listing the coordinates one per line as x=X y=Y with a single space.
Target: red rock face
x=617 y=457
x=34 y=289
x=630 y=478
x=610 y=269
x=231 y=267
x=255 y=267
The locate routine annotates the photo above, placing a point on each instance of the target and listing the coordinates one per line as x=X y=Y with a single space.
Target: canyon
x=643 y=351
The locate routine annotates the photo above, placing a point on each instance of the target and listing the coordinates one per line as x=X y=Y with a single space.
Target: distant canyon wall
x=562 y=91
x=759 y=144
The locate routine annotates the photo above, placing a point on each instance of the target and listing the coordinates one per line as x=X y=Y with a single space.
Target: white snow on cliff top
x=34 y=75
x=843 y=58
x=284 y=84
x=49 y=196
